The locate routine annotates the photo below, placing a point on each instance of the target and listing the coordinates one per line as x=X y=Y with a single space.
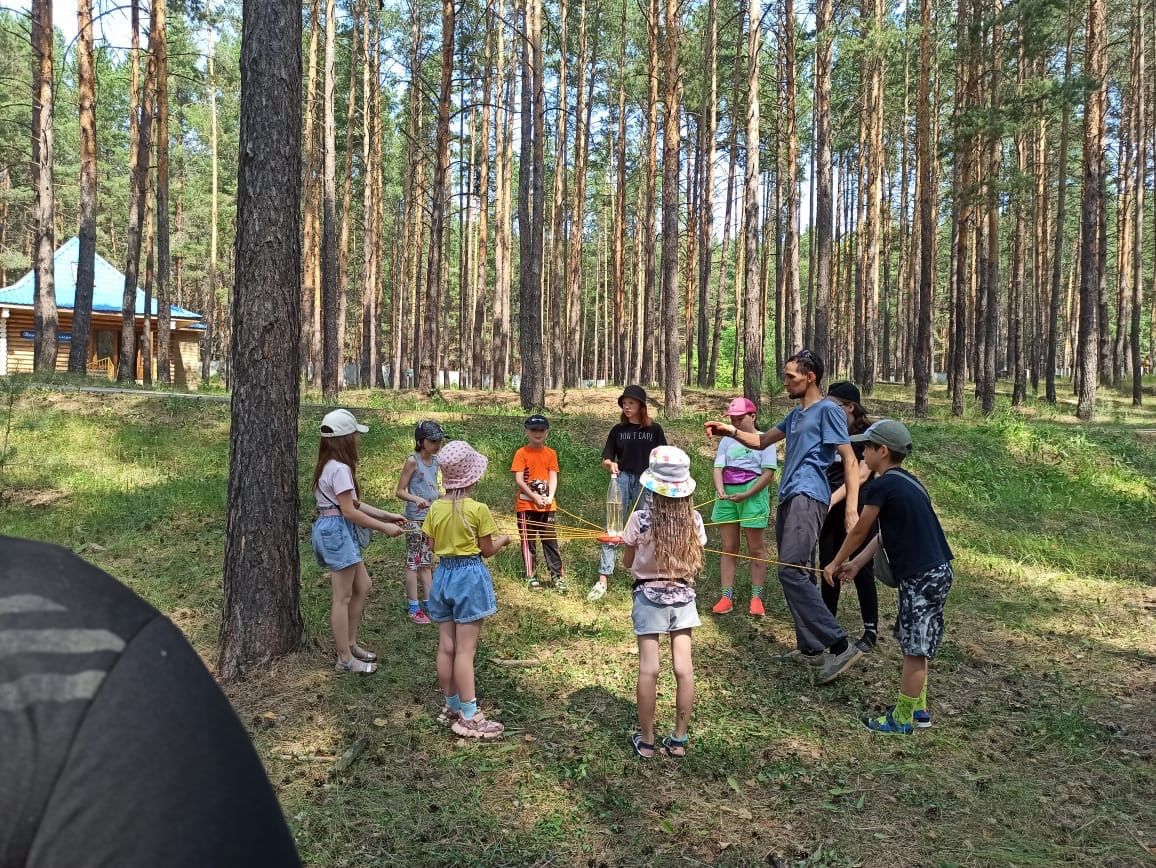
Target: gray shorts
x=650 y=617
x=919 y=628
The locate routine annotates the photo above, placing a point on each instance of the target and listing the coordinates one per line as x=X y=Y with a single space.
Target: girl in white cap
x=664 y=543
x=341 y=530
x=462 y=531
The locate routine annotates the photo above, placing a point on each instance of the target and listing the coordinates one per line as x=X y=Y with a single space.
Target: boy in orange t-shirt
x=535 y=469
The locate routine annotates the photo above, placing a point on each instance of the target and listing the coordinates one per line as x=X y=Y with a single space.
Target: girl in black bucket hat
x=626 y=455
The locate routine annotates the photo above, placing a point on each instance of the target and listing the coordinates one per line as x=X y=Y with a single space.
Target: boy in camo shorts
x=919 y=558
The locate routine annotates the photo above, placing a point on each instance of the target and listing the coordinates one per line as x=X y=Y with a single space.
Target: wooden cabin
x=17 y=323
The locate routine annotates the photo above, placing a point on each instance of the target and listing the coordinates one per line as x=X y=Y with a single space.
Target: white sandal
x=358 y=667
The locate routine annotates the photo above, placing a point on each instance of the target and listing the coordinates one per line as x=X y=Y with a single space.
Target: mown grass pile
x=1042 y=750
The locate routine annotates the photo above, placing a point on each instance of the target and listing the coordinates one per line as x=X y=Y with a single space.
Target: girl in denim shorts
x=664 y=544
x=461 y=532
x=340 y=515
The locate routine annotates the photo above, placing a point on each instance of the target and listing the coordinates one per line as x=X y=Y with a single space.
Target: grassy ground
x=1042 y=751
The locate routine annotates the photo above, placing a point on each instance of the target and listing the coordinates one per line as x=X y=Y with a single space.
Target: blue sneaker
x=922 y=718
x=888 y=725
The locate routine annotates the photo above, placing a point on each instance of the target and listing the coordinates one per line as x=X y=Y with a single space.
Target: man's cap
x=537 y=421
x=636 y=392
x=339 y=423
x=890 y=433
x=429 y=430
x=844 y=391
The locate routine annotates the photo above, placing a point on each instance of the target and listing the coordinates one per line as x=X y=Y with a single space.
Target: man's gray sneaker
x=798 y=656
x=835 y=665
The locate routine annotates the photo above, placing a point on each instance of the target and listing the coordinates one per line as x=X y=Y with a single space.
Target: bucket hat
x=461 y=465
x=669 y=473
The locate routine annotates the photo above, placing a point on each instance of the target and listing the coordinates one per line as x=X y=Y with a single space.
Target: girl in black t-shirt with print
x=626 y=454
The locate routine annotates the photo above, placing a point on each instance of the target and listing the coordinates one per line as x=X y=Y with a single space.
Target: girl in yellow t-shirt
x=461 y=532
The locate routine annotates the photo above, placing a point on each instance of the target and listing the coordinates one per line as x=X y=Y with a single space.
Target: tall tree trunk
x=1140 y=125
x=583 y=111
x=924 y=160
x=140 y=129
x=1091 y=204
x=991 y=278
x=824 y=218
x=261 y=617
x=792 y=302
x=672 y=97
x=874 y=199
x=724 y=266
x=206 y=359
x=532 y=385
x=147 y=346
x=754 y=311
x=86 y=261
x=44 y=209
x=708 y=125
x=621 y=336
x=555 y=277
x=1016 y=360
x=1058 y=241
x=158 y=35
x=311 y=285
x=503 y=175
x=431 y=359
x=331 y=349
x=345 y=216
x=371 y=240
x=482 y=183
x=646 y=226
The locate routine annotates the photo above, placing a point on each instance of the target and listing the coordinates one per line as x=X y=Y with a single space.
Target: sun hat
x=339 y=423
x=669 y=473
x=844 y=391
x=537 y=421
x=461 y=464
x=887 y=432
x=429 y=430
x=636 y=392
x=741 y=406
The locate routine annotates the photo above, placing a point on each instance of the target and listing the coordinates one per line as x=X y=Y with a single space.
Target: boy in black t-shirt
x=920 y=561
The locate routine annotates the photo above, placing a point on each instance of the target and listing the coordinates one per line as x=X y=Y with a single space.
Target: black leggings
x=831 y=539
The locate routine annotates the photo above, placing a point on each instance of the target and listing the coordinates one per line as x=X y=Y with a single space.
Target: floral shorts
x=418 y=553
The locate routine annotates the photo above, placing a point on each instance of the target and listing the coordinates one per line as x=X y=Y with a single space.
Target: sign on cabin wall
x=62 y=337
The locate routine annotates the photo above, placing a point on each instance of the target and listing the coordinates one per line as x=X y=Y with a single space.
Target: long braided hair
x=677 y=552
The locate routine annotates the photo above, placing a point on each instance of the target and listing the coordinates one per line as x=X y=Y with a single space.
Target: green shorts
x=753 y=512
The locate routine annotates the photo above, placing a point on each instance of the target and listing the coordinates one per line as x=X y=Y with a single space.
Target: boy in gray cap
x=919 y=559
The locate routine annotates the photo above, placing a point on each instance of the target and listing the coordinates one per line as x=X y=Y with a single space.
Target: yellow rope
x=764 y=560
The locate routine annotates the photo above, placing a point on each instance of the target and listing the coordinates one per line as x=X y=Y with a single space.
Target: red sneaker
x=420 y=617
x=723 y=606
x=757 y=607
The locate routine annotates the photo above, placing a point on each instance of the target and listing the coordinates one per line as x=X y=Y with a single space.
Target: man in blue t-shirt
x=815 y=431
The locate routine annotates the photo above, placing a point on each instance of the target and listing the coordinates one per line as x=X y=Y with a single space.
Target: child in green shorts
x=919 y=559
x=741 y=479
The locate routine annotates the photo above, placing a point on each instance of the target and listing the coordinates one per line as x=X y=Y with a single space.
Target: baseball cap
x=428 y=430
x=537 y=421
x=741 y=406
x=844 y=391
x=887 y=432
x=339 y=423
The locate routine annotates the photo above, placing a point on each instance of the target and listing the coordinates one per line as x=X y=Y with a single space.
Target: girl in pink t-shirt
x=336 y=538
x=664 y=544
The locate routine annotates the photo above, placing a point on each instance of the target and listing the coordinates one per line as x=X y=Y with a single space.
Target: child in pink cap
x=461 y=532
x=742 y=476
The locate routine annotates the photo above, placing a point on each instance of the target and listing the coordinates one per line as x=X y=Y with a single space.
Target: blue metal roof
x=107 y=290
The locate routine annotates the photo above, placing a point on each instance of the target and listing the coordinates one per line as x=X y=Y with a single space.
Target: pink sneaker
x=477 y=727
x=420 y=617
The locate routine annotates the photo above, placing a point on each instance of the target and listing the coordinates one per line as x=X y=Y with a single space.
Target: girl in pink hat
x=664 y=542
x=741 y=479
x=462 y=531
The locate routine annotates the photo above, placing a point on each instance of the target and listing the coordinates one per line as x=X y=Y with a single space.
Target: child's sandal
x=533 y=584
x=671 y=744
x=639 y=746
x=362 y=655
x=448 y=716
